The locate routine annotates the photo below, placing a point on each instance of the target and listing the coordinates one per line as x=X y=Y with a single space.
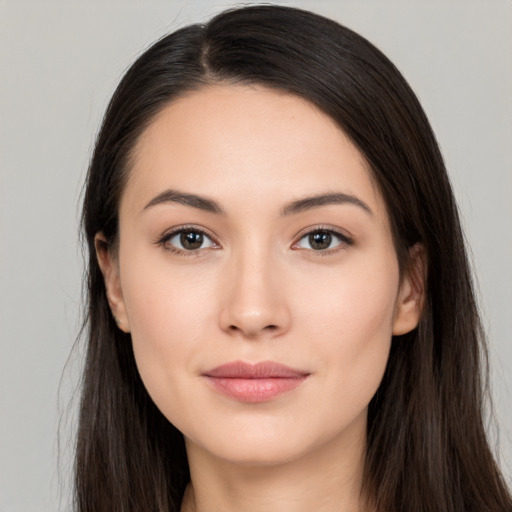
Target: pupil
x=320 y=240
x=191 y=240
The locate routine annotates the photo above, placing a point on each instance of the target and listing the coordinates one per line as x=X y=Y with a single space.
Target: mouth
x=254 y=383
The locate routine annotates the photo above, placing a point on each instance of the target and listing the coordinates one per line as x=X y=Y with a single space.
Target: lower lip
x=255 y=390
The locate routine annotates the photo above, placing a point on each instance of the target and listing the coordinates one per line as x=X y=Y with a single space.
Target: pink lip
x=254 y=383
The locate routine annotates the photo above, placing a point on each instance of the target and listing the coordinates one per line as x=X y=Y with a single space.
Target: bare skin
x=239 y=171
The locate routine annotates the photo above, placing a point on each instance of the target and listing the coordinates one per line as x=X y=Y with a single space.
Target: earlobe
x=411 y=298
x=110 y=269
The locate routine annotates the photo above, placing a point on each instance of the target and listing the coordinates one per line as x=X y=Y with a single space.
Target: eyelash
x=344 y=240
x=163 y=241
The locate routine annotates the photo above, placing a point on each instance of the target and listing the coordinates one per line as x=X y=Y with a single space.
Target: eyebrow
x=298 y=206
x=193 y=200
x=308 y=203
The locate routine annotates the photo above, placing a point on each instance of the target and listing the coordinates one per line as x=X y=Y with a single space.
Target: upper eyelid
x=330 y=229
x=164 y=241
x=167 y=235
x=345 y=240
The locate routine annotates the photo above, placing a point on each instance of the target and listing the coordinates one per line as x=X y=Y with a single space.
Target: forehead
x=241 y=142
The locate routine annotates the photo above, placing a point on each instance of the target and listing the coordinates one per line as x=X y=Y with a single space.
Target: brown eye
x=187 y=240
x=320 y=240
x=191 y=240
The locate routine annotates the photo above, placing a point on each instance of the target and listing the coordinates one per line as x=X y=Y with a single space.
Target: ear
x=411 y=298
x=110 y=269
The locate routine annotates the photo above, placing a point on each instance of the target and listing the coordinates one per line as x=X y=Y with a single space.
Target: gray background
x=60 y=62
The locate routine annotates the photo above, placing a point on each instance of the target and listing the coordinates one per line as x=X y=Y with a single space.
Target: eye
x=322 y=240
x=187 y=240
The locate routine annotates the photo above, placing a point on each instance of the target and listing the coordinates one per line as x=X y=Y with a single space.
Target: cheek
x=353 y=302
x=170 y=314
x=352 y=324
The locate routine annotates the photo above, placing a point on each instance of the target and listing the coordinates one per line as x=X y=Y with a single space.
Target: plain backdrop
x=60 y=62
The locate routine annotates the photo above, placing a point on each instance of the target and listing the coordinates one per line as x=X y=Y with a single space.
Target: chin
x=252 y=452
x=265 y=444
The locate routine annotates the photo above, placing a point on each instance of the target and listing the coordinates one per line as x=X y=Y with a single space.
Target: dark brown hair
x=426 y=444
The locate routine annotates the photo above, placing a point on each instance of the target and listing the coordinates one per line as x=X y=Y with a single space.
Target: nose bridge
x=255 y=303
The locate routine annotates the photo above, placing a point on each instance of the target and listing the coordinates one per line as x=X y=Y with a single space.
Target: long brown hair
x=426 y=444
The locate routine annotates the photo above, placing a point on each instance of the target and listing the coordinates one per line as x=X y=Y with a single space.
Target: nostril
x=268 y=328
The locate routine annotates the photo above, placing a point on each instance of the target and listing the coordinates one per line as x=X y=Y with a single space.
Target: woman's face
x=251 y=232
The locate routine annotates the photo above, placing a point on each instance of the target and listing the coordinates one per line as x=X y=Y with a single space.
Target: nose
x=254 y=303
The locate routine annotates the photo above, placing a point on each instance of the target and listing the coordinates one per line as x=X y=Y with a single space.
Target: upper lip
x=262 y=370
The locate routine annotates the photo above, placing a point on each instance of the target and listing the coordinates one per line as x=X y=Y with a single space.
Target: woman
x=281 y=314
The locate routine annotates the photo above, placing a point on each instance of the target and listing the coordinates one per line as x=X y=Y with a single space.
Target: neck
x=326 y=479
